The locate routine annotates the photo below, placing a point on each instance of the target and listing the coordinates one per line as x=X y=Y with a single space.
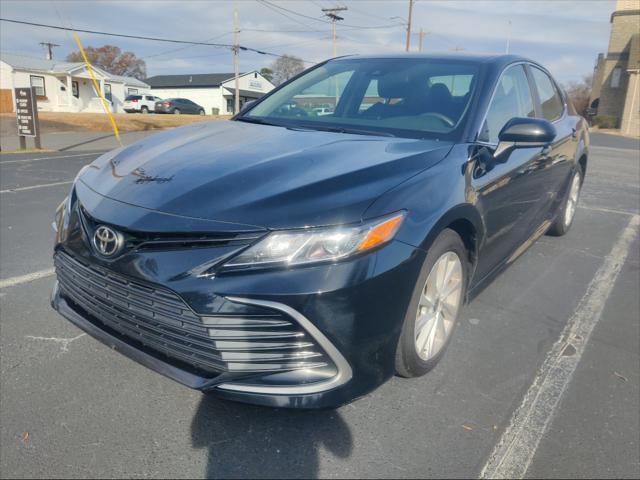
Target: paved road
x=75 y=141
x=70 y=407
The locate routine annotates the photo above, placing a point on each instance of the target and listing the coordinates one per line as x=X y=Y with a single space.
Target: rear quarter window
x=550 y=99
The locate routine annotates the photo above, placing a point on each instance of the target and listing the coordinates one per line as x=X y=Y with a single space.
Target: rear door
x=508 y=193
x=558 y=161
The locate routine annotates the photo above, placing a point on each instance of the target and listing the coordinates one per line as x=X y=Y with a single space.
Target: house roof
x=23 y=62
x=195 y=80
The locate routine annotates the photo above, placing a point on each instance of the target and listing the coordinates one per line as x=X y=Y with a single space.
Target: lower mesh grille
x=158 y=319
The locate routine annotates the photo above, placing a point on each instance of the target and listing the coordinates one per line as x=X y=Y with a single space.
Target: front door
x=508 y=193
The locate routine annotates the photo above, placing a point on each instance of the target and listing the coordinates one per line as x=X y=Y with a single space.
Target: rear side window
x=134 y=97
x=149 y=98
x=512 y=98
x=550 y=99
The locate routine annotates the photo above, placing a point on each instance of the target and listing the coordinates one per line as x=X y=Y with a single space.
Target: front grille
x=170 y=241
x=158 y=319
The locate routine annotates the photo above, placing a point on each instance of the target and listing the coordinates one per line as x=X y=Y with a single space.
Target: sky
x=564 y=35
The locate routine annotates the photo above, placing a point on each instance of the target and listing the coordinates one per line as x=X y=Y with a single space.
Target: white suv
x=140 y=103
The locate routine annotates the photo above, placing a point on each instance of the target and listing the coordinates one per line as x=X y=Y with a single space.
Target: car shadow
x=246 y=441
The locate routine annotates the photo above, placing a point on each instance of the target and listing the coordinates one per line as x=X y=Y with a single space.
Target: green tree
x=267 y=73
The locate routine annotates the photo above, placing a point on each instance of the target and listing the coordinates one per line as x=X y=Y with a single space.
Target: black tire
x=201 y=112
x=176 y=111
x=408 y=362
x=144 y=110
x=560 y=225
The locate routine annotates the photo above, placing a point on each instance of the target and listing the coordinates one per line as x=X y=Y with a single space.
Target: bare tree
x=113 y=60
x=285 y=67
x=579 y=93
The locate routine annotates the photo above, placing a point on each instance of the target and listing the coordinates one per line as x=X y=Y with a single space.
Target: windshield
x=410 y=97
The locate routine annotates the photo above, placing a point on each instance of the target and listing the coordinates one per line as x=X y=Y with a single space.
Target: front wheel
x=201 y=112
x=433 y=311
x=564 y=220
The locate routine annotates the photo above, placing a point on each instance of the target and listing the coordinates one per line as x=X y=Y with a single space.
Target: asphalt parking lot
x=565 y=313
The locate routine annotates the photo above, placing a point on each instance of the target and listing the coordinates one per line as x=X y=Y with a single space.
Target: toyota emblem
x=107 y=241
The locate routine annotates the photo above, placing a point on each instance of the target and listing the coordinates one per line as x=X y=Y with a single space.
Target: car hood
x=259 y=175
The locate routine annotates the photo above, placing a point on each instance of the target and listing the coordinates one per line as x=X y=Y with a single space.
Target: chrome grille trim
x=345 y=373
x=160 y=320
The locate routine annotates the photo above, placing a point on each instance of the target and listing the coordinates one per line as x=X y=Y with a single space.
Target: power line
x=266 y=2
x=277 y=9
x=110 y=34
x=183 y=48
x=155 y=39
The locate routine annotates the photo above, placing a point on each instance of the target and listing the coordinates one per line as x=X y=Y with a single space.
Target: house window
x=615 y=77
x=132 y=91
x=38 y=83
x=75 y=89
x=107 y=91
x=230 y=105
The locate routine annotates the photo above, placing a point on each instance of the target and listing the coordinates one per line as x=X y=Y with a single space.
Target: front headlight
x=288 y=248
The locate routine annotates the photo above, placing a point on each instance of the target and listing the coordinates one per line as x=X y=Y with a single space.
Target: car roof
x=497 y=60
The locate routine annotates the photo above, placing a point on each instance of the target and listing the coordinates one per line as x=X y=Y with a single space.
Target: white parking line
x=514 y=452
x=606 y=210
x=49 y=158
x=32 y=187
x=29 y=277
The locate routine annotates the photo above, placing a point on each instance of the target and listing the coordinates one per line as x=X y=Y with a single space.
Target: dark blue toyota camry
x=326 y=237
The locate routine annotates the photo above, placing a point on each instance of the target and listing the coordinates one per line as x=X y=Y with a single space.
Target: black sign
x=26 y=112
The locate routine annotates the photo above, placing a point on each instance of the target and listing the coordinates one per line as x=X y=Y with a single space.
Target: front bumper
x=351 y=312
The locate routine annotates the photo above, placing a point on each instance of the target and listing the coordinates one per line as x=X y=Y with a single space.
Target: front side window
x=550 y=99
x=400 y=97
x=38 y=83
x=512 y=98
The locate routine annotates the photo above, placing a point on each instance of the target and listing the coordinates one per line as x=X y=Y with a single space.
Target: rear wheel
x=435 y=303
x=176 y=111
x=144 y=110
x=564 y=220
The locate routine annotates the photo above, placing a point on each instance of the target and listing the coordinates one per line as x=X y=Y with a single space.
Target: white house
x=211 y=90
x=63 y=86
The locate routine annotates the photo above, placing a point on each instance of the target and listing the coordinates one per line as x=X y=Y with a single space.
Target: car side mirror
x=524 y=133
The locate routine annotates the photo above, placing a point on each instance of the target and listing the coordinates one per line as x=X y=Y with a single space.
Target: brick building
x=616 y=77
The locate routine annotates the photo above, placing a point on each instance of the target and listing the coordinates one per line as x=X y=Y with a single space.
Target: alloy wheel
x=572 y=200
x=438 y=306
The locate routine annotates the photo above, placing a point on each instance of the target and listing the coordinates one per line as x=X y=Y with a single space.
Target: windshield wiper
x=258 y=121
x=355 y=131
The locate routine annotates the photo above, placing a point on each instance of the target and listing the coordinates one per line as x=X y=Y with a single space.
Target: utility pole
x=50 y=47
x=409 y=26
x=422 y=34
x=331 y=13
x=508 y=37
x=236 y=63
